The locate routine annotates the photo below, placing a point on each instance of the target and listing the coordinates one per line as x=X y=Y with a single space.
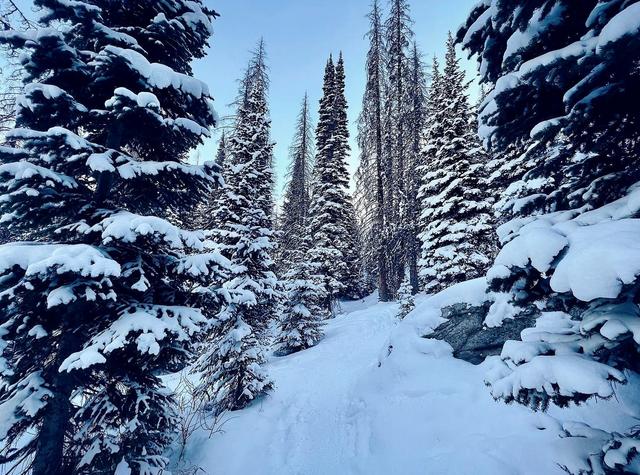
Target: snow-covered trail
x=308 y=420
x=336 y=410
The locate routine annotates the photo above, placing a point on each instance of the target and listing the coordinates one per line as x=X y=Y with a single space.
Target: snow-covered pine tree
x=455 y=216
x=301 y=324
x=406 y=298
x=352 y=277
x=295 y=208
x=560 y=135
x=370 y=182
x=232 y=376
x=565 y=97
x=98 y=304
x=397 y=136
x=332 y=217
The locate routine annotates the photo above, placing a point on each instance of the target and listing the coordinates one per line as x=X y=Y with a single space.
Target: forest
x=449 y=282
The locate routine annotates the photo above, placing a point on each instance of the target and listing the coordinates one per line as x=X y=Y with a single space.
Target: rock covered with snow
x=469 y=336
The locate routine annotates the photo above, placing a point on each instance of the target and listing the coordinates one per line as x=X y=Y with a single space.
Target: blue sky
x=299 y=36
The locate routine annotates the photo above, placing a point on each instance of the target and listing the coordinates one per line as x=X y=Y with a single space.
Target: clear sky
x=300 y=35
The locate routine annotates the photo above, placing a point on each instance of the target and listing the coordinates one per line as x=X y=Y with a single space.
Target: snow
x=38 y=259
x=591 y=254
x=352 y=405
x=625 y=23
x=501 y=309
x=539 y=245
x=564 y=375
x=48 y=91
x=537 y=25
x=132 y=168
x=142 y=99
x=600 y=260
x=28 y=397
x=157 y=75
x=145 y=326
x=128 y=227
x=24 y=170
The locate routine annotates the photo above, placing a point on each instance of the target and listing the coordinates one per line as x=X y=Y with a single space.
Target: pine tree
x=332 y=217
x=370 y=183
x=563 y=112
x=295 y=209
x=98 y=304
x=232 y=376
x=455 y=219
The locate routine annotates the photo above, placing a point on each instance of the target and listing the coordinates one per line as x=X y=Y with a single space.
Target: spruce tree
x=352 y=277
x=207 y=214
x=97 y=305
x=221 y=154
x=370 y=178
x=231 y=371
x=305 y=295
x=332 y=217
x=416 y=118
x=563 y=112
x=406 y=299
x=295 y=209
x=398 y=38
x=455 y=216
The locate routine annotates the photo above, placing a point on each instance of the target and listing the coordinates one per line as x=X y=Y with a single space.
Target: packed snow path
x=336 y=410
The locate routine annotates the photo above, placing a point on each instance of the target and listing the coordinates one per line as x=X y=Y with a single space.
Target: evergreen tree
x=207 y=214
x=332 y=217
x=455 y=220
x=416 y=118
x=370 y=183
x=563 y=111
x=295 y=209
x=232 y=376
x=301 y=325
x=98 y=304
x=352 y=277
x=221 y=154
x=406 y=299
x=399 y=36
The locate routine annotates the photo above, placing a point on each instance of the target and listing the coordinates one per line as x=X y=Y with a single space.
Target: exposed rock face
x=470 y=339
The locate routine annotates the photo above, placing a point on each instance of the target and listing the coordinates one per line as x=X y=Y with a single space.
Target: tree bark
x=49 y=453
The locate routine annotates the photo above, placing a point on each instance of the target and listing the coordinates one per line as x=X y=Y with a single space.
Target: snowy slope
x=352 y=406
